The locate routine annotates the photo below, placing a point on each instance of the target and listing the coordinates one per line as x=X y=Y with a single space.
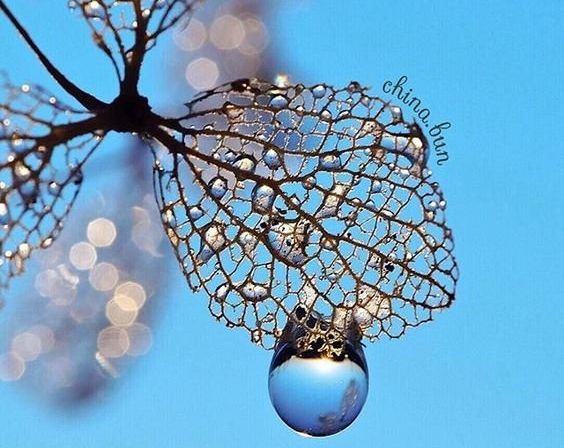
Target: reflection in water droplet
x=330 y=162
x=262 y=198
x=279 y=101
x=213 y=241
x=218 y=187
x=195 y=213
x=376 y=187
x=272 y=158
x=288 y=240
x=318 y=91
x=316 y=395
x=245 y=163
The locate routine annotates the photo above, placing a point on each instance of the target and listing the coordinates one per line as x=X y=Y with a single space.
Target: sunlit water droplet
x=213 y=241
x=195 y=213
x=315 y=395
x=330 y=162
x=218 y=187
x=272 y=158
x=245 y=163
x=318 y=91
x=279 y=101
x=288 y=240
x=262 y=198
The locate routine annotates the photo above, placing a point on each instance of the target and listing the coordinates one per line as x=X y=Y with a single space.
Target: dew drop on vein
x=218 y=187
x=262 y=198
x=272 y=158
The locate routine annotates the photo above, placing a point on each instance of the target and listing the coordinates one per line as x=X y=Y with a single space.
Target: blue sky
x=488 y=372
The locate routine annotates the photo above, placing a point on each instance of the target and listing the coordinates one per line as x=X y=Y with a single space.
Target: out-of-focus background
x=488 y=372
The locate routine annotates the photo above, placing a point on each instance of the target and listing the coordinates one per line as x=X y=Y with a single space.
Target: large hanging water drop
x=317 y=395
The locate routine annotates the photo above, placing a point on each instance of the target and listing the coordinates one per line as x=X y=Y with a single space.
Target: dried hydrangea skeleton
x=285 y=205
x=306 y=202
x=42 y=154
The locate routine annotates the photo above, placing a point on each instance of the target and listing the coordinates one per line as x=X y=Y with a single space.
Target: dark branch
x=84 y=98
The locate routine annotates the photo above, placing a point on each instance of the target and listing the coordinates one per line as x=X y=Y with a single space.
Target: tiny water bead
x=317 y=395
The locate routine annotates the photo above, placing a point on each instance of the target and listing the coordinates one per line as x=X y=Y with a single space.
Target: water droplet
x=213 y=241
x=330 y=162
x=366 y=100
x=318 y=91
x=195 y=213
x=397 y=116
x=279 y=101
x=245 y=163
x=254 y=291
x=309 y=182
x=229 y=156
x=404 y=173
x=262 y=198
x=21 y=171
x=221 y=292
x=54 y=188
x=24 y=250
x=288 y=240
x=326 y=115
x=333 y=200
x=354 y=87
x=317 y=395
x=218 y=187
x=328 y=243
x=376 y=187
x=4 y=215
x=272 y=158
x=332 y=277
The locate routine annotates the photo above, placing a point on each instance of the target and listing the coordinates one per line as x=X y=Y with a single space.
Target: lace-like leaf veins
x=306 y=205
x=41 y=156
